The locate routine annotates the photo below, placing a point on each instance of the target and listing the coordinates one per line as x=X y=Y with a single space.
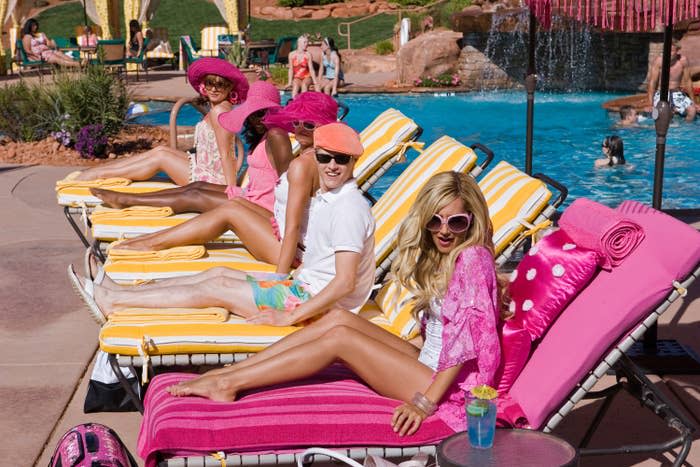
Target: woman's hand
x=271 y=317
x=407 y=419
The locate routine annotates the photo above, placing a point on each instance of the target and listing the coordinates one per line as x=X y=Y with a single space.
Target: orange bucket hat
x=338 y=138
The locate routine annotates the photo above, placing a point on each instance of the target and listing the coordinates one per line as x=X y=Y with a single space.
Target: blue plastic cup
x=481 y=422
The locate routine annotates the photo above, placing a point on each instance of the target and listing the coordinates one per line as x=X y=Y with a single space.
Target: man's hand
x=407 y=419
x=271 y=317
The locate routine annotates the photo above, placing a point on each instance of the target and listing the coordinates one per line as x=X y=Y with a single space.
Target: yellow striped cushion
x=158 y=54
x=238 y=258
x=394 y=304
x=75 y=196
x=128 y=227
x=185 y=337
x=443 y=155
x=381 y=140
x=210 y=39
x=512 y=196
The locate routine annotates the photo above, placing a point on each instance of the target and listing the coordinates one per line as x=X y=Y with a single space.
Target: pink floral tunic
x=205 y=163
x=469 y=333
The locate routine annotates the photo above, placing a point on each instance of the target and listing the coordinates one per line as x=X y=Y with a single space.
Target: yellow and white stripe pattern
x=79 y=196
x=210 y=40
x=445 y=154
x=382 y=140
x=514 y=200
x=159 y=35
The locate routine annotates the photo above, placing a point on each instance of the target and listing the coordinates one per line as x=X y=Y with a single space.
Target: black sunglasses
x=340 y=159
x=308 y=126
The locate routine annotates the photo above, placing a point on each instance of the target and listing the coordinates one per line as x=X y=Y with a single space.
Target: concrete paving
x=49 y=340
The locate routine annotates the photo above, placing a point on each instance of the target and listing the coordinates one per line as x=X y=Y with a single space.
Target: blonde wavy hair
x=419 y=266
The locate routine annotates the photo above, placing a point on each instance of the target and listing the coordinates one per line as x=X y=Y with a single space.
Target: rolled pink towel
x=597 y=227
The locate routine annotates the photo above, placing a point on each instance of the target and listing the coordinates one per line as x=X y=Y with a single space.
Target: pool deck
x=49 y=340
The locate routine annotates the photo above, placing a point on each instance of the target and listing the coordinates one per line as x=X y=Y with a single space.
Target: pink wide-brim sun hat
x=219 y=67
x=261 y=95
x=310 y=106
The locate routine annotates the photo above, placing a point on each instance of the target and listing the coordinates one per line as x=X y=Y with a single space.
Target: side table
x=523 y=448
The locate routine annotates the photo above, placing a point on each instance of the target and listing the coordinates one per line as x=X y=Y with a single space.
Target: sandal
x=86 y=291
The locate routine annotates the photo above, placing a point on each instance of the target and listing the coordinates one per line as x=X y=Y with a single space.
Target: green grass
x=62 y=19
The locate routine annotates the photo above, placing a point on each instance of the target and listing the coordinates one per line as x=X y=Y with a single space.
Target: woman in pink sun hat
x=275 y=236
x=214 y=162
x=201 y=196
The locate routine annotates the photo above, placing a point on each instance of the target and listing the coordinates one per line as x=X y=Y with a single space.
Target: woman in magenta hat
x=275 y=236
x=214 y=165
x=263 y=161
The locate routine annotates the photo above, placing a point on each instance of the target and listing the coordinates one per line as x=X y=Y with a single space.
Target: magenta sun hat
x=261 y=95
x=219 y=67
x=309 y=106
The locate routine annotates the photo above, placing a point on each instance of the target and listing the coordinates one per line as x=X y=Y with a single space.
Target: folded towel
x=103 y=214
x=599 y=228
x=70 y=182
x=145 y=315
x=178 y=253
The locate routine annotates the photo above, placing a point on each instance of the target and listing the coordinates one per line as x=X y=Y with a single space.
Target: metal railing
x=399 y=13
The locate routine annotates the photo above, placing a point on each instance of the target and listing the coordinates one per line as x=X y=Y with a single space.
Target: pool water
x=569 y=130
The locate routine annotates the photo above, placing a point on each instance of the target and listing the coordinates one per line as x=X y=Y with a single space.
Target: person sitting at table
x=135 y=39
x=39 y=47
x=301 y=68
x=88 y=38
x=330 y=74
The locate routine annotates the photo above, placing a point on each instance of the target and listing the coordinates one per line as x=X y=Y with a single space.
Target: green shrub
x=94 y=97
x=412 y=2
x=384 y=47
x=291 y=3
x=238 y=55
x=443 y=80
x=279 y=74
x=26 y=112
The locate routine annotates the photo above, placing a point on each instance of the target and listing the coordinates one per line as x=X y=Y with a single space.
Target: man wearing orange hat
x=338 y=268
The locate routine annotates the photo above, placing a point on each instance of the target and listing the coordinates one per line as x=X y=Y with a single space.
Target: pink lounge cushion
x=606 y=311
x=515 y=349
x=332 y=409
x=548 y=277
x=599 y=228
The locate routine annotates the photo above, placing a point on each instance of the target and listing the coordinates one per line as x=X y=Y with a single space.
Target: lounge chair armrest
x=487 y=151
x=345 y=110
x=563 y=191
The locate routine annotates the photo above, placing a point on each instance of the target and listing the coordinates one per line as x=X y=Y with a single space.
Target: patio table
x=510 y=447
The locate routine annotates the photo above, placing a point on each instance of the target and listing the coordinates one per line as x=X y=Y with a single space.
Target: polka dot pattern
x=547 y=279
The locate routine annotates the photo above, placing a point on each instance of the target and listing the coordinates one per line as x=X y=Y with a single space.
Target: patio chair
x=593 y=332
x=139 y=61
x=23 y=61
x=159 y=35
x=282 y=50
x=111 y=54
x=210 y=40
x=63 y=43
x=188 y=53
x=385 y=139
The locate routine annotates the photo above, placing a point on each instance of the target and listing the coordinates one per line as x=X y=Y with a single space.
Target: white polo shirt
x=339 y=220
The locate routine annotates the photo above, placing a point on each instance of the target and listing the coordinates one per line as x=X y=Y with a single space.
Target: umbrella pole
x=663 y=115
x=530 y=83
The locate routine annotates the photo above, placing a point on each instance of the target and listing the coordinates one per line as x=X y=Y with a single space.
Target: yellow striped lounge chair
x=385 y=141
x=159 y=35
x=170 y=342
x=443 y=155
x=210 y=40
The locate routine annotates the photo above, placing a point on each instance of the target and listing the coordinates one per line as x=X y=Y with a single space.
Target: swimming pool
x=569 y=129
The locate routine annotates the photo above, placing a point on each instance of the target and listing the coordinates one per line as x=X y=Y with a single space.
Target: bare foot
x=211 y=387
x=112 y=199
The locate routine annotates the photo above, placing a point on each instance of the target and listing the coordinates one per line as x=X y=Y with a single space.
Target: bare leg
x=387 y=370
x=690 y=113
x=193 y=197
x=144 y=166
x=233 y=294
x=213 y=273
x=315 y=330
x=252 y=228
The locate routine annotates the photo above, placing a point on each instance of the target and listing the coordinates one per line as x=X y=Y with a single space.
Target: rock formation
x=431 y=53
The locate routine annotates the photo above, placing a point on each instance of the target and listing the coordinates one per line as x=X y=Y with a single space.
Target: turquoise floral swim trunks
x=277 y=291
